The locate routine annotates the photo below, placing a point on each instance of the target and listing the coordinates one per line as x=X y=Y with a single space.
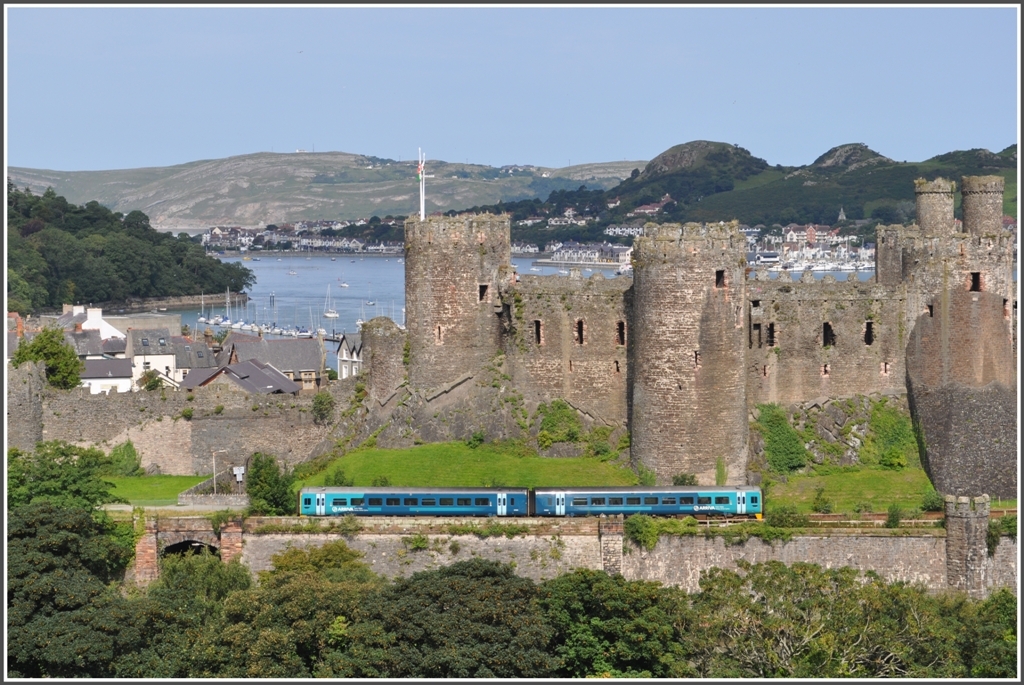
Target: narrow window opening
x=1006 y=309
x=483 y=292
x=755 y=303
x=764 y=371
x=570 y=366
x=828 y=336
x=720 y=278
x=825 y=370
x=537 y=332
x=579 y=331
x=696 y=359
x=931 y=310
x=756 y=335
x=869 y=332
x=885 y=368
x=771 y=335
x=975 y=281
x=616 y=367
x=620 y=333
x=438 y=335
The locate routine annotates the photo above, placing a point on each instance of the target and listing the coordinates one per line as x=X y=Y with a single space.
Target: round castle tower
x=982 y=204
x=935 y=206
x=689 y=386
x=453 y=269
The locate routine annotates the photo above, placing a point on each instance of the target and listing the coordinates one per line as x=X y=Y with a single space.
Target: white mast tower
x=423 y=186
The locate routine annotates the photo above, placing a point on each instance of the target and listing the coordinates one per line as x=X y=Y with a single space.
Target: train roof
x=403 y=489
x=653 y=488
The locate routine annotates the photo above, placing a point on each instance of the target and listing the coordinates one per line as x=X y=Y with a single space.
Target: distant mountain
x=266 y=188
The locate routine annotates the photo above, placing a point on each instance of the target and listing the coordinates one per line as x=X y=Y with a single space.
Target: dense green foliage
x=268 y=488
x=60 y=473
x=61 y=253
x=559 y=423
x=890 y=441
x=323 y=407
x=782 y=445
x=124 y=461
x=684 y=479
x=63 y=367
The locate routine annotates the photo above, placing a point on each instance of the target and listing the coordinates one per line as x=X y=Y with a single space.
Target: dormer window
x=188 y=348
x=145 y=342
x=199 y=353
x=162 y=342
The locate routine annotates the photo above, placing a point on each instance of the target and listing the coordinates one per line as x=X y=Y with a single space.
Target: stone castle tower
x=687 y=356
x=454 y=267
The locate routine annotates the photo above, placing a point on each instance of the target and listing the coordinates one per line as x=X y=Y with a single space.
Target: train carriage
x=652 y=500
x=404 y=501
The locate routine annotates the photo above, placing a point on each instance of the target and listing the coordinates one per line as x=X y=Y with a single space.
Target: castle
x=681 y=354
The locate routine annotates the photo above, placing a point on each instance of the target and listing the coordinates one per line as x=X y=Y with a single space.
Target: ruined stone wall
x=281 y=425
x=25 y=387
x=546 y=357
x=790 y=356
x=383 y=352
x=453 y=269
x=688 y=359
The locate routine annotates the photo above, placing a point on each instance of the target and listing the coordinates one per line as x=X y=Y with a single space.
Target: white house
x=106 y=375
x=151 y=349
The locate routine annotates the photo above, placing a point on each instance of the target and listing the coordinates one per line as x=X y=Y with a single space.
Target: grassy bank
x=153 y=491
x=454 y=464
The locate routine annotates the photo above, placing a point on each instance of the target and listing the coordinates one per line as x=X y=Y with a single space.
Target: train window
x=632 y=500
x=307 y=501
x=597 y=501
x=430 y=502
x=447 y=501
x=551 y=501
x=463 y=501
x=686 y=500
x=721 y=500
x=650 y=500
x=410 y=501
x=392 y=501
x=612 y=501
x=357 y=501
x=753 y=500
x=579 y=501
x=512 y=501
x=703 y=500
x=668 y=500
x=340 y=502
x=375 y=501
x=482 y=501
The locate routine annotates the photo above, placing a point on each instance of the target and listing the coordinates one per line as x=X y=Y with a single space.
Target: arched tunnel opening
x=189 y=546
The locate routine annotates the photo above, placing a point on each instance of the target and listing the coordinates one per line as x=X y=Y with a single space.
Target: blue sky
x=109 y=88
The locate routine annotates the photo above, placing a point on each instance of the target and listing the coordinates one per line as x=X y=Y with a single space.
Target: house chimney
x=21 y=327
x=78 y=327
x=208 y=337
x=66 y=309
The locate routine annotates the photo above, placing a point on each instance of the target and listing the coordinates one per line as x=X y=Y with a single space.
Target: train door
x=559 y=503
x=321 y=504
x=741 y=503
x=502 y=504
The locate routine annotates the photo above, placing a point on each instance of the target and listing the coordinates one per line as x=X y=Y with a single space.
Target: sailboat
x=369 y=302
x=226 y=321
x=329 y=311
x=202 y=314
x=341 y=278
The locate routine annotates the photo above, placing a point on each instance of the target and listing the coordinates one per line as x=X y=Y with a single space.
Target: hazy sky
x=109 y=88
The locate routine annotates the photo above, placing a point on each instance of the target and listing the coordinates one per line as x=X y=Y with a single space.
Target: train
x=666 y=500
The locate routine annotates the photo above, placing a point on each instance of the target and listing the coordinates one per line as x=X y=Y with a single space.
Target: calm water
x=299 y=300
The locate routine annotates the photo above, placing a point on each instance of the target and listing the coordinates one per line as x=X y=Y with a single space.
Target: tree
x=323 y=407
x=268 y=488
x=63 y=474
x=684 y=479
x=63 y=367
x=473 y=619
x=609 y=626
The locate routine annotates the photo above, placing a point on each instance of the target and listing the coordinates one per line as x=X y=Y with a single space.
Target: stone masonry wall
x=688 y=351
x=383 y=350
x=25 y=387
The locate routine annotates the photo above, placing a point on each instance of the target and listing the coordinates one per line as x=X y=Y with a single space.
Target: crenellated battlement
x=474 y=229
x=968 y=507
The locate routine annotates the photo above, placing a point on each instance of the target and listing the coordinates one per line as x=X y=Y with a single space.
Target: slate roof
x=251 y=376
x=114 y=346
x=350 y=341
x=300 y=354
x=69 y=319
x=152 y=336
x=84 y=342
x=192 y=355
x=107 y=368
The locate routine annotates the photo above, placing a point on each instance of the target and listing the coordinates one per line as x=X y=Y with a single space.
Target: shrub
x=337 y=479
x=124 y=461
x=890 y=441
x=822 y=504
x=150 y=380
x=332 y=375
x=785 y=516
x=782 y=445
x=862 y=507
x=933 y=501
x=323 y=407
x=647 y=476
x=475 y=440
x=190 y=397
x=186 y=413
x=895 y=515
x=269 y=488
x=684 y=479
x=641 y=529
x=218 y=409
x=416 y=542
x=561 y=422
x=624 y=442
x=381 y=482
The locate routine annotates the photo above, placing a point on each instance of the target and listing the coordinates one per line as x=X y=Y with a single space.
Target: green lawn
x=152 y=491
x=871 y=485
x=456 y=465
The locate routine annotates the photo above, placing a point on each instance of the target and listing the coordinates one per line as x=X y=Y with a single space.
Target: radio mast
x=423 y=185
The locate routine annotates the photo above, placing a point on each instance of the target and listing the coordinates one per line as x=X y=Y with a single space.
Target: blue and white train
x=731 y=501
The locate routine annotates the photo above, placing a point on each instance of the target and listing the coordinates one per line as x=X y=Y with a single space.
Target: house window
x=308 y=379
x=199 y=353
x=145 y=365
x=620 y=333
x=720 y=278
x=483 y=292
x=188 y=348
x=344 y=370
x=162 y=341
x=184 y=372
x=145 y=342
x=869 y=332
x=975 y=281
